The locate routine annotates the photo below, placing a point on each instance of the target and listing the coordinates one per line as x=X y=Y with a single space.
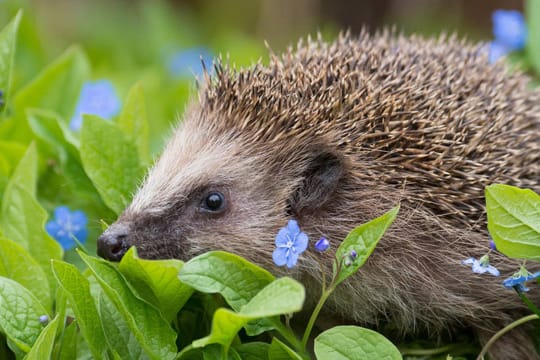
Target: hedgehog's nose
x=113 y=243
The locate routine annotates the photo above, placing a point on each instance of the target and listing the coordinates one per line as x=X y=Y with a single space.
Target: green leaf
x=77 y=288
x=25 y=174
x=17 y=264
x=8 y=39
x=514 y=221
x=19 y=314
x=68 y=348
x=42 y=348
x=22 y=219
x=252 y=350
x=157 y=282
x=134 y=122
x=232 y=276
x=57 y=87
x=114 y=169
x=532 y=12
x=282 y=296
x=363 y=240
x=119 y=336
x=48 y=126
x=150 y=329
x=279 y=351
x=354 y=343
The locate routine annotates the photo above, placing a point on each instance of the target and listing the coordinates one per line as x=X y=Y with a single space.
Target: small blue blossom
x=44 y=320
x=496 y=51
x=97 y=98
x=290 y=243
x=322 y=244
x=354 y=255
x=188 y=62
x=517 y=280
x=492 y=245
x=481 y=266
x=509 y=29
x=66 y=225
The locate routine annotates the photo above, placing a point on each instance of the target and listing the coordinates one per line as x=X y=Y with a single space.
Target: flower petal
x=293 y=228
x=79 y=218
x=492 y=270
x=478 y=268
x=292 y=259
x=81 y=234
x=52 y=228
x=280 y=256
x=282 y=237
x=301 y=243
x=62 y=214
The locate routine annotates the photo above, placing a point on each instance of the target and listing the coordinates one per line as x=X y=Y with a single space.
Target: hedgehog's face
x=208 y=193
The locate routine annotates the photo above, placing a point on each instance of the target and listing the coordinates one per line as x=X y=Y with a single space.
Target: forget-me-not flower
x=66 y=225
x=322 y=244
x=481 y=266
x=97 y=98
x=510 y=32
x=518 y=280
x=188 y=63
x=290 y=243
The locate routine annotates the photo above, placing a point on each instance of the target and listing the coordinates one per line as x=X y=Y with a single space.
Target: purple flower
x=509 y=29
x=67 y=225
x=353 y=255
x=492 y=245
x=188 y=62
x=290 y=243
x=517 y=280
x=322 y=244
x=481 y=266
x=97 y=98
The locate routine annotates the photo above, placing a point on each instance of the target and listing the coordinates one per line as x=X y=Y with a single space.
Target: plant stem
x=529 y=303
x=503 y=331
x=315 y=314
x=289 y=336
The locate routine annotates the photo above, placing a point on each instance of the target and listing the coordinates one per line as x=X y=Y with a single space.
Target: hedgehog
x=333 y=134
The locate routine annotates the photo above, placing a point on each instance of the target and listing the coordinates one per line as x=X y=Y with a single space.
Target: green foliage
x=514 y=221
x=362 y=240
x=7 y=53
x=115 y=169
x=354 y=343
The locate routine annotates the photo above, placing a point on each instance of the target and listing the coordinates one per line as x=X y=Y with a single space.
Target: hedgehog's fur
x=334 y=134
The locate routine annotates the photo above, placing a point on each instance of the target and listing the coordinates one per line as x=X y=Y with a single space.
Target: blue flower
x=66 y=225
x=322 y=244
x=509 y=29
x=290 y=243
x=481 y=266
x=496 y=51
x=189 y=62
x=97 y=98
x=517 y=280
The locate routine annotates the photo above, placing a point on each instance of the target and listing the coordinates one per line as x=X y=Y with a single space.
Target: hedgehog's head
x=226 y=188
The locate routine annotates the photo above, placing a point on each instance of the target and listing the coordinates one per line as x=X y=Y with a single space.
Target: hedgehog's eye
x=213 y=202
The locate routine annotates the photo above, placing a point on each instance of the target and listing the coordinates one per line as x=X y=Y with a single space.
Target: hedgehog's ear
x=321 y=177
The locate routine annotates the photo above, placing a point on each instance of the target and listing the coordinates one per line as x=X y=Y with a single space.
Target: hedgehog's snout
x=113 y=243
